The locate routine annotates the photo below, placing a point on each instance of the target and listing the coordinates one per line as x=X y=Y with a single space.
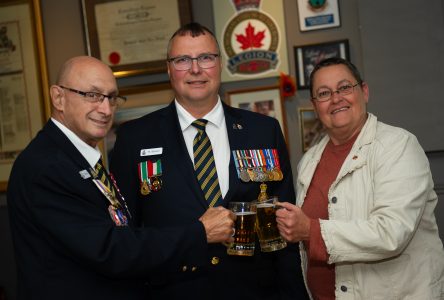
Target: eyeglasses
x=183 y=63
x=93 y=97
x=326 y=94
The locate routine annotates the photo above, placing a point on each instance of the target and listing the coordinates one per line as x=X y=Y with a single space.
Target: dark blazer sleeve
x=63 y=213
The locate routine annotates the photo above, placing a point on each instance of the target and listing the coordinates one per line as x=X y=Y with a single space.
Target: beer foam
x=245 y=213
x=262 y=205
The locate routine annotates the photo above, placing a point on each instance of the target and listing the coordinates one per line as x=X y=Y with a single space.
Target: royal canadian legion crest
x=251 y=40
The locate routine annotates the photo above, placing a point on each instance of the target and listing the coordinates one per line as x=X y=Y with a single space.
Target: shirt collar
x=215 y=116
x=92 y=155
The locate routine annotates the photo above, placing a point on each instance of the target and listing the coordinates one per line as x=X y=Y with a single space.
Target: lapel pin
x=237 y=126
x=85 y=174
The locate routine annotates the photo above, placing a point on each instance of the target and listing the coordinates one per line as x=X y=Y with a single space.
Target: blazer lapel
x=173 y=140
x=237 y=135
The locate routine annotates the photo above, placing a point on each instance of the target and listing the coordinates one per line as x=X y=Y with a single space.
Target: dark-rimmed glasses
x=184 y=63
x=94 y=97
x=327 y=94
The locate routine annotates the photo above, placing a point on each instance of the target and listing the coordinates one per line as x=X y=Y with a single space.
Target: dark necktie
x=204 y=164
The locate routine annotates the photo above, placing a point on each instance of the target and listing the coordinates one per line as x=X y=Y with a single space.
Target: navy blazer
x=66 y=244
x=180 y=201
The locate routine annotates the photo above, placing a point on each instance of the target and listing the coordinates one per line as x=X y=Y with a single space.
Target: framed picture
x=264 y=100
x=141 y=100
x=132 y=36
x=312 y=130
x=318 y=14
x=23 y=80
x=307 y=56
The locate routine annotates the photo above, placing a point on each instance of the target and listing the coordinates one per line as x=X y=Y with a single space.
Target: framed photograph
x=23 y=80
x=264 y=100
x=318 y=14
x=132 y=36
x=306 y=57
x=312 y=130
x=141 y=100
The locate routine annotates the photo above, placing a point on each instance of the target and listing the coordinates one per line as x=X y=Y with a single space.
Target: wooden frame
x=141 y=100
x=312 y=129
x=265 y=100
x=132 y=36
x=315 y=15
x=306 y=57
x=23 y=80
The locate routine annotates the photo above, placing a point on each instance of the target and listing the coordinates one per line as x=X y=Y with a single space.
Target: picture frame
x=116 y=32
x=315 y=15
x=307 y=56
x=266 y=100
x=23 y=80
x=141 y=100
x=312 y=130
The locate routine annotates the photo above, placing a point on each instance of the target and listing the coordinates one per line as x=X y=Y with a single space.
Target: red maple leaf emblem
x=250 y=39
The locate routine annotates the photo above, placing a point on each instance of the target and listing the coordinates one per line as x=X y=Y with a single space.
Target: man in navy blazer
x=71 y=226
x=154 y=165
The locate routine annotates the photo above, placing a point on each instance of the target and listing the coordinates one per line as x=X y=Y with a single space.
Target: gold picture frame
x=132 y=36
x=312 y=130
x=266 y=100
x=23 y=80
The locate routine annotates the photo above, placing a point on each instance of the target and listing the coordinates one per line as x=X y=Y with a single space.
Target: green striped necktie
x=204 y=165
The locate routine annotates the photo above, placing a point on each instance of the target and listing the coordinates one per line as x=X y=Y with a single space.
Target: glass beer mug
x=266 y=226
x=244 y=229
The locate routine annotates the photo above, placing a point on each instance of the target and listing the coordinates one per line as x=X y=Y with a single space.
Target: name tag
x=152 y=151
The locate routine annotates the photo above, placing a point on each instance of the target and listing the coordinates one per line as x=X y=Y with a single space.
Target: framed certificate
x=265 y=100
x=131 y=36
x=306 y=57
x=24 y=93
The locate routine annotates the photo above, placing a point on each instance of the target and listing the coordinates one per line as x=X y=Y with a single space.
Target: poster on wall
x=252 y=38
x=318 y=14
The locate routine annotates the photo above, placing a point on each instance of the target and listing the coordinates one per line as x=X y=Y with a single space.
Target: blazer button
x=334 y=200
x=215 y=260
x=193 y=269
x=343 y=288
x=184 y=268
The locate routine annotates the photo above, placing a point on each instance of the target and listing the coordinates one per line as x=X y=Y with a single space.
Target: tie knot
x=200 y=124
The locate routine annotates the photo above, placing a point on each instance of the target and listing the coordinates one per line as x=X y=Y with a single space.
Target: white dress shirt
x=92 y=155
x=216 y=130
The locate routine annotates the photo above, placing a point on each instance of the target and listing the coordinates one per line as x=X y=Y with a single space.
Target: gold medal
x=144 y=189
x=280 y=175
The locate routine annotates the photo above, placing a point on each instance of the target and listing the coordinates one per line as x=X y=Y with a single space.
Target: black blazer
x=66 y=244
x=181 y=201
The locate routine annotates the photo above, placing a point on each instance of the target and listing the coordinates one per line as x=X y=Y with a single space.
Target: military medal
x=280 y=175
x=149 y=175
x=144 y=189
x=156 y=183
x=117 y=216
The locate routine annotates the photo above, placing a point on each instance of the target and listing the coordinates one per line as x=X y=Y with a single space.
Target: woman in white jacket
x=365 y=201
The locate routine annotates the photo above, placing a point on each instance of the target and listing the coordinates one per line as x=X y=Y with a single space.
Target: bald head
x=71 y=103
x=80 y=63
